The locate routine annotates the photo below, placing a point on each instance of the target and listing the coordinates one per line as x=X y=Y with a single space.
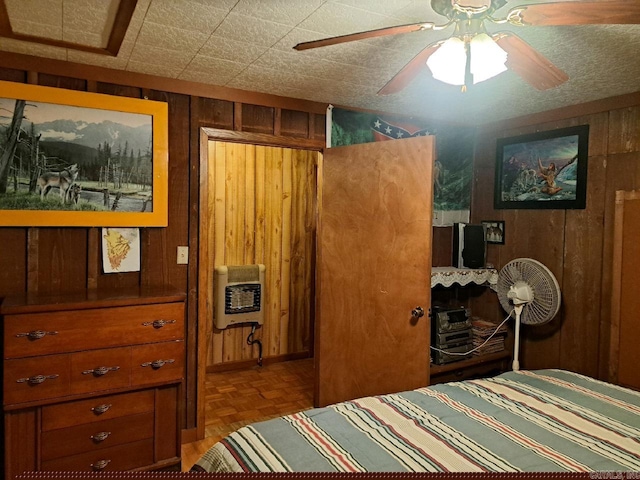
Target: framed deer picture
x=81 y=159
x=543 y=169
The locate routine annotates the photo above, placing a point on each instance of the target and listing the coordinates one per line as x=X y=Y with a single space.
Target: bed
x=544 y=420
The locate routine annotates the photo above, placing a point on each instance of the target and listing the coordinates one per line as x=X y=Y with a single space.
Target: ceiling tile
x=251 y=29
x=234 y=50
x=278 y=11
x=152 y=69
x=388 y=7
x=30 y=48
x=37 y=29
x=248 y=44
x=337 y=19
x=215 y=70
x=45 y=12
x=89 y=15
x=187 y=15
x=163 y=36
x=84 y=38
x=226 y=5
x=107 y=61
x=176 y=59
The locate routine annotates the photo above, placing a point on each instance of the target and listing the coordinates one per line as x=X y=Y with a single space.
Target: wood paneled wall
x=61 y=260
x=575 y=244
x=264 y=212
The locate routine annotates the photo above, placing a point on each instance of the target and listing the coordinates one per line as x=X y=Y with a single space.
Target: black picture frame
x=494 y=231
x=542 y=170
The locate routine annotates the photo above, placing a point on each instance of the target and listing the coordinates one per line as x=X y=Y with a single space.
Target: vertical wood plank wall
x=264 y=212
x=60 y=260
x=575 y=244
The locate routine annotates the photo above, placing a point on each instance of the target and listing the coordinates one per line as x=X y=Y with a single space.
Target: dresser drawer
x=68 y=331
x=122 y=457
x=30 y=379
x=159 y=362
x=100 y=370
x=95 y=436
x=96 y=409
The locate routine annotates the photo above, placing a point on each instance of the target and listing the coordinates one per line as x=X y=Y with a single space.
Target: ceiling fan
x=470 y=40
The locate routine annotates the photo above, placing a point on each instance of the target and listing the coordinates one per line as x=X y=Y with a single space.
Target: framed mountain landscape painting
x=71 y=158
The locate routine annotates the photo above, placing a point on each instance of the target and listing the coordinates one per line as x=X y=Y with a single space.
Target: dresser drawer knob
x=157 y=363
x=37 y=379
x=35 y=334
x=100 y=464
x=100 y=409
x=158 y=323
x=100 y=437
x=100 y=371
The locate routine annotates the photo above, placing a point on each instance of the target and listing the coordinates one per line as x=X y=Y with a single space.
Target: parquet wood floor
x=237 y=398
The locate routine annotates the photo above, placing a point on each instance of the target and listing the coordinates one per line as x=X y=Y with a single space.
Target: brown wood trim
x=262 y=139
x=33 y=240
x=237 y=116
x=93 y=256
x=191 y=375
x=119 y=29
x=31 y=302
x=120 y=25
x=277 y=121
x=141 y=80
x=616 y=272
x=204 y=286
x=244 y=364
x=32 y=77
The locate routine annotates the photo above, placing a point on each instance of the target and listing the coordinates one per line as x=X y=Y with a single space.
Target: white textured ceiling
x=247 y=44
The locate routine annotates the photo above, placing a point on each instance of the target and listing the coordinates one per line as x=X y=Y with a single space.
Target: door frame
x=204 y=278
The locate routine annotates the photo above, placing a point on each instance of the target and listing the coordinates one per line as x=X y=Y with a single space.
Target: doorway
x=257 y=206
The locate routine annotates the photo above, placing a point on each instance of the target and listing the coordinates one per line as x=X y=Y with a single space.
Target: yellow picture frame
x=144 y=202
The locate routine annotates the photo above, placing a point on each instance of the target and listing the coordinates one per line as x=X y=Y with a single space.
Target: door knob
x=417 y=312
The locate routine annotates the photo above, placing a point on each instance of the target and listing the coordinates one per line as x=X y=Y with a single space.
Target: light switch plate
x=183 y=255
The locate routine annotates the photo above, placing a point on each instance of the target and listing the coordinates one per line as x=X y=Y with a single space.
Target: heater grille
x=238 y=294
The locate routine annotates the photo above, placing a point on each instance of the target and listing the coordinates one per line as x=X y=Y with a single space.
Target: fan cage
x=545 y=288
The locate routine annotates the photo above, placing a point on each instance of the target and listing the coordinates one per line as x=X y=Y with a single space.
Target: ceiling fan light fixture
x=487 y=58
x=448 y=62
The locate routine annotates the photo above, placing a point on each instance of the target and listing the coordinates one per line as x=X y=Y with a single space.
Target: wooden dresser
x=92 y=381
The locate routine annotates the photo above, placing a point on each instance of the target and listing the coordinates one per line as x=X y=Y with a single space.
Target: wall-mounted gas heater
x=238 y=294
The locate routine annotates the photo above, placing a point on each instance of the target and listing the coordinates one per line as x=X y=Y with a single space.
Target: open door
x=624 y=355
x=373 y=269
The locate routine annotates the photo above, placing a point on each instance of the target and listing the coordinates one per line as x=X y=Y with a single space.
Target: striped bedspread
x=546 y=420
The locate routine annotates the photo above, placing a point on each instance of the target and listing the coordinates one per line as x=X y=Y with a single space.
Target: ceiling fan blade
x=531 y=65
x=409 y=71
x=610 y=12
x=381 y=32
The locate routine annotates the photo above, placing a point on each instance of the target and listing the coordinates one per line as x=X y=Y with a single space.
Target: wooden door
x=374 y=264
x=625 y=303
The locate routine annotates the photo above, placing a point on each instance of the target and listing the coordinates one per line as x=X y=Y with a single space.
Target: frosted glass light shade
x=448 y=62
x=487 y=58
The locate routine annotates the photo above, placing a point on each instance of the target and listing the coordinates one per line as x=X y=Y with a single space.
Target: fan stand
x=516 y=344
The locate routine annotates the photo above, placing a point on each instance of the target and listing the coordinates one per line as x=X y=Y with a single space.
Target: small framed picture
x=494 y=231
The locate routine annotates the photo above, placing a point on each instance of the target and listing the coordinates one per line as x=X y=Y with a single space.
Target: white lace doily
x=447 y=276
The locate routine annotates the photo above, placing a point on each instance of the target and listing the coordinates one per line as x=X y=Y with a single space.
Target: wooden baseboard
x=244 y=364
